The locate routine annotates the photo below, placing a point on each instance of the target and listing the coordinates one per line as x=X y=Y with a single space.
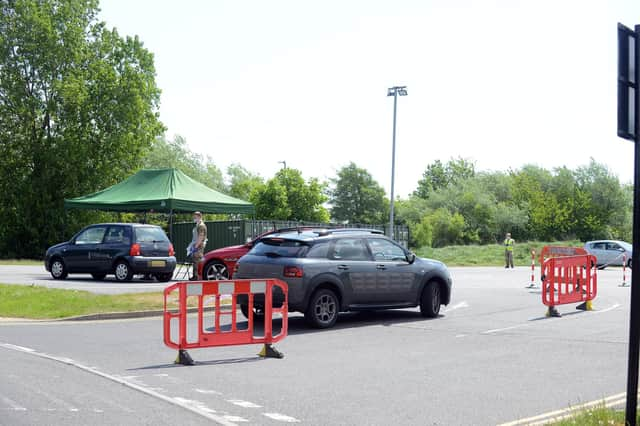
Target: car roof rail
x=350 y=230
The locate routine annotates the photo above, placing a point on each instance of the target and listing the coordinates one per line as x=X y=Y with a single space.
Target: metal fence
x=234 y=232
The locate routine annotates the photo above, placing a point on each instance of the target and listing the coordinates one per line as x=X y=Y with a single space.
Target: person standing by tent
x=508 y=250
x=198 y=242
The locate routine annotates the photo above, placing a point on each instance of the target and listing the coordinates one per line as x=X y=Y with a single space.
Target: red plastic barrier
x=569 y=279
x=216 y=333
x=558 y=251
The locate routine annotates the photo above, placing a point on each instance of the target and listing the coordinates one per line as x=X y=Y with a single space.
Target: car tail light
x=134 y=250
x=172 y=252
x=293 y=272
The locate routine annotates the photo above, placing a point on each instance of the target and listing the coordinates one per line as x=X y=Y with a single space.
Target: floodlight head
x=397 y=91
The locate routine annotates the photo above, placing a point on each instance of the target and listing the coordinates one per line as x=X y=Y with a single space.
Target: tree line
x=79 y=112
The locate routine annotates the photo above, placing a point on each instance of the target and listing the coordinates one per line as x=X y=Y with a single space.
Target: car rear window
x=150 y=235
x=278 y=247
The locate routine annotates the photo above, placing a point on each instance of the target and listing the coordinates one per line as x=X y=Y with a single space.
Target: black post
x=634 y=316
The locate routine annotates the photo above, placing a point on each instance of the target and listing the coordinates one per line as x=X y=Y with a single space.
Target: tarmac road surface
x=492 y=357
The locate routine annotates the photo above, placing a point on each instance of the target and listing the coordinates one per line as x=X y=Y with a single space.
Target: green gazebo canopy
x=160 y=190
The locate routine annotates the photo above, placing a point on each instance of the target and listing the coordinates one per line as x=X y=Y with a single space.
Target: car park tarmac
x=492 y=357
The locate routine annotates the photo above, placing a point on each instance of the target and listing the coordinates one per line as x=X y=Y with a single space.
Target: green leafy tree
x=176 y=154
x=438 y=176
x=271 y=202
x=242 y=183
x=448 y=229
x=287 y=196
x=356 y=197
x=78 y=109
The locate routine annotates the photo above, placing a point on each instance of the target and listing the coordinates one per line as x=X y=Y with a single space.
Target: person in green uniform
x=198 y=242
x=508 y=250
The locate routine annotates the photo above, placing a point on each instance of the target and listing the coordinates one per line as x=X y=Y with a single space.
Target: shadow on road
x=197 y=363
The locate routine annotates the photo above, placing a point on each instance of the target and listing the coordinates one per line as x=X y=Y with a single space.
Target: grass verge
x=21 y=262
x=19 y=301
x=598 y=416
x=490 y=254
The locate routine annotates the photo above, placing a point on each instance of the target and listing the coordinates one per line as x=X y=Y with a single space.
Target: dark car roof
x=125 y=224
x=309 y=235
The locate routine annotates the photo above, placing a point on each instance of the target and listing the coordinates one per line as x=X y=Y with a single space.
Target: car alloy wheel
x=323 y=309
x=58 y=270
x=430 y=300
x=216 y=271
x=123 y=272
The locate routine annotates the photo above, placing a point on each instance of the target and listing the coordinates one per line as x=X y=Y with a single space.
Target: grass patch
x=18 y=301
x=490 y=254
x=21 y=262
x=598 y=416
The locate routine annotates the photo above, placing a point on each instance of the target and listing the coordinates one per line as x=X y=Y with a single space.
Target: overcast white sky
x=502 y=83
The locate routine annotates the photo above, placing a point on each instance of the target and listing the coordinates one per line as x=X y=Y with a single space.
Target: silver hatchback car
x=610 y=252
x=336 y=270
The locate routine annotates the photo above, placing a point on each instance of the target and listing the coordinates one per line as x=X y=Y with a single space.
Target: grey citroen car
x=338 y=270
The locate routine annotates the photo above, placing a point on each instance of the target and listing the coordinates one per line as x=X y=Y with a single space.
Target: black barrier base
x=184 y=358
x=268 y=351
x=553 y=312
x=586 y=306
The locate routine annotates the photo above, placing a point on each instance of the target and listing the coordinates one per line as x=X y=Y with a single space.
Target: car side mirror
x=411 y=257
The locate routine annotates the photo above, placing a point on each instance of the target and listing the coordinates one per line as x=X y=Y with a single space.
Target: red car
x=218 y=264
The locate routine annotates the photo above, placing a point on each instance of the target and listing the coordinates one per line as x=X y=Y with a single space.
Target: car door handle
x=383 y=267
x=343 y=267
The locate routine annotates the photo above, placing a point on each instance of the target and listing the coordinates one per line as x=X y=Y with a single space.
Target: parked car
x=610 y=252
x=122 y=249
x=219 y=264
x=331 y=271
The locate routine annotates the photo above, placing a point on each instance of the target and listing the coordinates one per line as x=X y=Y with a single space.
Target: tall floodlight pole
x=395 y=92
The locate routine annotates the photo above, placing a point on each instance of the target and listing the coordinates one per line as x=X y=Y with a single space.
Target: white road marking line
x=497 y=330
x=567 y=412
x=281 y=417
x=161 y=375
x=174 y=401
x=97 y=410
x=460 y=305
x=244 y=404
x=208 y=392
x=12 y=404
x=235 y=419
x=74 y=410
x=16 y=347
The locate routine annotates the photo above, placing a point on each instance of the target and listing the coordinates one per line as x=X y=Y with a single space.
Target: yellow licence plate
x=158 y=263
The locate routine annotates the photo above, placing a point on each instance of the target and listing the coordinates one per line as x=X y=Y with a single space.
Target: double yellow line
x=552 y=416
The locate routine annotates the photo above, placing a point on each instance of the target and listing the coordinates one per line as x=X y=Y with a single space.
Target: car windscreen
x=278 y=247
x=149 y=234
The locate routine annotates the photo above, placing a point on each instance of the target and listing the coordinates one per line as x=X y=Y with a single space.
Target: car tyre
x=123 y=271
x=629 y=263
x=323 y=309
x=430 y=300
x=215 y=270
x=258 y=314
x=58 y=269
x=98 y=277
x=164 y=277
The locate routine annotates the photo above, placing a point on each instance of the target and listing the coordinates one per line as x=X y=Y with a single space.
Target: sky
x=502 y=83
